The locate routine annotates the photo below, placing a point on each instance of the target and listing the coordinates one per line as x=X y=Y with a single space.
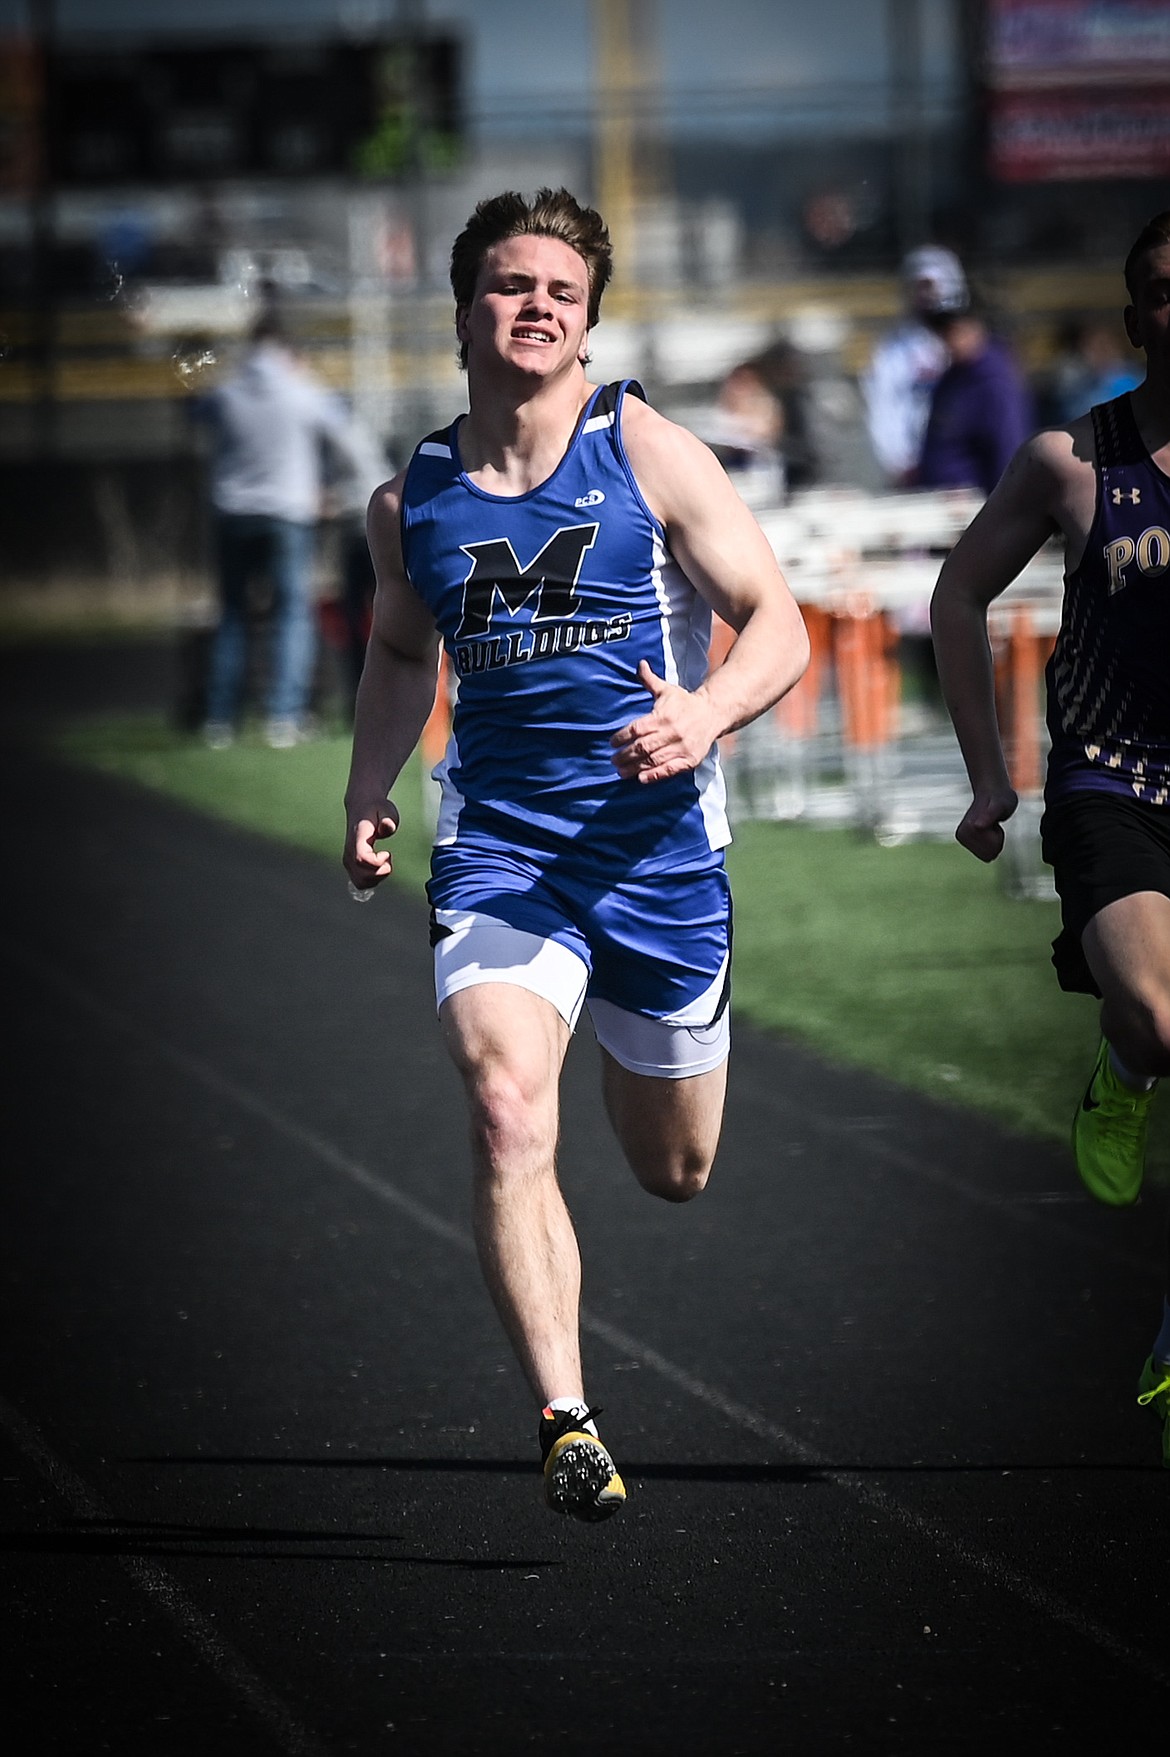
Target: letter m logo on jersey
x=551 y=577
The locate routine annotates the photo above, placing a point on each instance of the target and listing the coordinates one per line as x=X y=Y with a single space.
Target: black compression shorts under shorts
x=1100 y=847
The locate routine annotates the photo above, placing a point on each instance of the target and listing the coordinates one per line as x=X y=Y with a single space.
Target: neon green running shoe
x=1109 y=1135
x=1154 y=1390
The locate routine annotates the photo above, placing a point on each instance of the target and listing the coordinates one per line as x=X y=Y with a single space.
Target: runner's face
x=531 y=306
x=1147 y=320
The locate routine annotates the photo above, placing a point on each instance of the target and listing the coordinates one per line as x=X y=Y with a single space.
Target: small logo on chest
x=1133 y=495
x=593 y=498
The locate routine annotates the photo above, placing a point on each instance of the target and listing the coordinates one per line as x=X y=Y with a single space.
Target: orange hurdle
x=1021 y=656
x=867 y=675
x=797 y=712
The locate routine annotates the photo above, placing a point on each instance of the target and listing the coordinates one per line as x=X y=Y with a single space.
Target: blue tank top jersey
x=1108 y=678
x=547 y=602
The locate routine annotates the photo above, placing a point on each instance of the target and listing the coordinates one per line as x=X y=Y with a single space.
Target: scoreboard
x=298 y=109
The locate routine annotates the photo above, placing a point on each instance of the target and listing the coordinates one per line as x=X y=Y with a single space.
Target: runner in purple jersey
x=1103 y=483
x=560 y=879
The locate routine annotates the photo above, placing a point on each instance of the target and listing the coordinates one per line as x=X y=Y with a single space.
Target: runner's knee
x=676 y=1173
x=668 y=1129
x=513 y=1125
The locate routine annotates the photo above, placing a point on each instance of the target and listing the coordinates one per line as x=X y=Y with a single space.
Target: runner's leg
x=509 y=1045
x=1127 y=948
x=668 y=1129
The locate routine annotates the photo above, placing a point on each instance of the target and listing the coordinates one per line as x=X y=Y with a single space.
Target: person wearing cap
x=981 y=409
x=908 y=362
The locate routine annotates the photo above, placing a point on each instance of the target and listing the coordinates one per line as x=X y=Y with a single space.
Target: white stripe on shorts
x=658 y=1048
x=481 y=948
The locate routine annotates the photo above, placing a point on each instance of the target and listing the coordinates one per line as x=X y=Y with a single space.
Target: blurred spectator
x=908 y=362
x=269 y=423
x=783 y=370
x=746 y=434
x=980 y=410
x=1090 y=368
x=764 y=422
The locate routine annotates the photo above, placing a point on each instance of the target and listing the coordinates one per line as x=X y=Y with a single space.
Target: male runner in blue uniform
x=568 y=545
x=1104 y=482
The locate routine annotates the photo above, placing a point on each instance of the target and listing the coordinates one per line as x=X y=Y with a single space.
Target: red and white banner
x=1046 y=136
x=1078 y=89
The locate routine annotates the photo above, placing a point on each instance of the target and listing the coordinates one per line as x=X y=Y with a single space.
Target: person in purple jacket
x=981 y=409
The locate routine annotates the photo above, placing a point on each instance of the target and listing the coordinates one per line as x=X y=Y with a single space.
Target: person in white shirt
x=909 y=360
x=269 y=424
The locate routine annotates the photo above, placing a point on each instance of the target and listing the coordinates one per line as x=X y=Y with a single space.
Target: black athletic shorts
x=1100 y=847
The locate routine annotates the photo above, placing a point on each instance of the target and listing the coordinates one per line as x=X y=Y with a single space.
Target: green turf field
x=294 y=795
x=909 y=960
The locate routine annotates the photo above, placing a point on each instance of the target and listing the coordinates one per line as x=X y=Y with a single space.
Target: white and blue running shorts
x=650 y=956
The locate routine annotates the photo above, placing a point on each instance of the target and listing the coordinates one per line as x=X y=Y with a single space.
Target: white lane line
x=999 y=1573
x=164 y=1591
x=1008 y=1579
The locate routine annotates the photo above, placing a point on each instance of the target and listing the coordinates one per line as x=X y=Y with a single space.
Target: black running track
x=269 y=1474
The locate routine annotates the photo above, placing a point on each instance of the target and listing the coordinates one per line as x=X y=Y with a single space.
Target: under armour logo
x=1133 y=495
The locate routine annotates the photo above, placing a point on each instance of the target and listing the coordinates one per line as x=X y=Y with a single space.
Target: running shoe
x=580 y=1478
x=1109 y=1135
x=1154 y=1392
x=284 y=734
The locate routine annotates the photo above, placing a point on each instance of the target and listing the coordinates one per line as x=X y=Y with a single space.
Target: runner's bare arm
x=394 y=697
x=724 y=553
x=1018 y=518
